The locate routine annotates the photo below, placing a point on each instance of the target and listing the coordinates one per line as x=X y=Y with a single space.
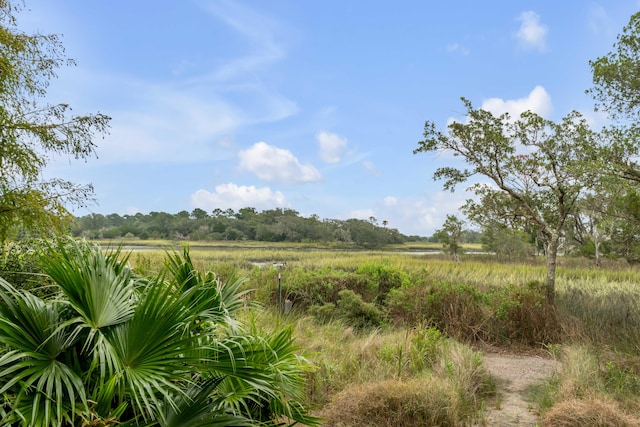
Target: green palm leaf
x=98 y=286
x=202 y=407
x=33 y=366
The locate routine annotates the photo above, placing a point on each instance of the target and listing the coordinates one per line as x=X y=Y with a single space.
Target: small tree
x=538 y=168
x=450 y=235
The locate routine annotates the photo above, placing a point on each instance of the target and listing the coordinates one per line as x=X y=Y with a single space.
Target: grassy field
x=401 y=327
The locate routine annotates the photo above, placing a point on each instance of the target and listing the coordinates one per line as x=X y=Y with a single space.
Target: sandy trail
x=516 y=374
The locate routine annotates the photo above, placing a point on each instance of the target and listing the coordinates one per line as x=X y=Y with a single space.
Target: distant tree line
x=272 y=225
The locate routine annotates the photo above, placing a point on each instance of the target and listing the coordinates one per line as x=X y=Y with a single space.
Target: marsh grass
x=598 y=311
x=598 y=305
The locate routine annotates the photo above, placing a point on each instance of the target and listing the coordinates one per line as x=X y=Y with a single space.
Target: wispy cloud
x=532 y=34
x=260 y=31
x=371 y=168
x=188 y=119
x=457 y=48
x=271 y=164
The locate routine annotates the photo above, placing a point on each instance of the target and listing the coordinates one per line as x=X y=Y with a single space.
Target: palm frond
x=98 y=286
x=35 y=336
x=203 y=407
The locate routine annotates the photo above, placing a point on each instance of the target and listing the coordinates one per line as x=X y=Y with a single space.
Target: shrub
x=357 y=313
x=457 y=310
x=523 y=314
x=426 y=346
x=594 y=412
x=425 y=401
x=324 y=313
x=20 y=266
x=382 y=278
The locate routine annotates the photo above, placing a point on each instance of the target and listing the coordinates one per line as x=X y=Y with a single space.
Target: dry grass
x=592 y=412
x=427 y=401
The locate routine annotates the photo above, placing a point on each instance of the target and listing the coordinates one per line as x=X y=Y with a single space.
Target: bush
x=381 y=279
x=357 y=313
x=457 y=310
x=324 y=313
x=393 y=403
x=522 y=314
x=20 y=266
x=590 y=412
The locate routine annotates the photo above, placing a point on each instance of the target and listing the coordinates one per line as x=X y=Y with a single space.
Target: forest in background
x=272 y=225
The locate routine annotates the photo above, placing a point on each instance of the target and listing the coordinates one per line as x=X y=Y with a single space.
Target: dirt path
x=516 y=374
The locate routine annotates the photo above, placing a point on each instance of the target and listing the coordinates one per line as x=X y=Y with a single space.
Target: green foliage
x=272 y=225
x=538 y=168
x=19 y=265
x=522 y=314
x=457 y=310
x=113 y=347
x=450 y=235
x=382 y=278
x=357 y=313
x=506 y=242
x=516 y=314
x=31 y=129
x=616 y=76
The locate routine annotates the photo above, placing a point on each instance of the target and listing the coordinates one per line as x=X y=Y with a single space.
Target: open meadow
x=398 y=335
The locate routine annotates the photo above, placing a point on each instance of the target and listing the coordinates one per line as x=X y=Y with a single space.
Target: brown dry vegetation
x=592 y=412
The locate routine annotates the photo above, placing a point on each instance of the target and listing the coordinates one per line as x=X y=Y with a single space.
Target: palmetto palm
x=114 y=348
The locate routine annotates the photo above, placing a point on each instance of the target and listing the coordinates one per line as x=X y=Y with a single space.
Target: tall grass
x=385 y=377
x=599 y=305
x=598 y=311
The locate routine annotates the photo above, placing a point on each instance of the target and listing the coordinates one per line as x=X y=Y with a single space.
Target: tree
x=538 y=168
x=199 y=214
x=114 y=348
x=450 y=235
x=32 y=130
x=505 y=242
x=616 y=76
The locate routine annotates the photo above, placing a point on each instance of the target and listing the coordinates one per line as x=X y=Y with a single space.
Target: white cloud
x=457 y=48
x=271 y=163
x=538 y=101
x=532 y=34
x=331 y=146
x=420 y=215
x=232 y=196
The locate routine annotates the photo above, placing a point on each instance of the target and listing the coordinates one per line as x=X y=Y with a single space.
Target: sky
x=314 y=106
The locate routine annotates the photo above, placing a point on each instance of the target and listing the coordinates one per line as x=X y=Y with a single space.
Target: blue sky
x=315 y=106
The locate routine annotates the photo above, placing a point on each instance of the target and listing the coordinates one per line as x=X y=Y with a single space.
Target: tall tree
x=536 y=166
x=32 y=130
